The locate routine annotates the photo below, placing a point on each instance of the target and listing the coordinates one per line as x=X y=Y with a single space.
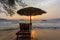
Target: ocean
x=37 y=24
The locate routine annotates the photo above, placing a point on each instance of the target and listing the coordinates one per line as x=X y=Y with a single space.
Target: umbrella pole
x=30 y=19
x=30 y=22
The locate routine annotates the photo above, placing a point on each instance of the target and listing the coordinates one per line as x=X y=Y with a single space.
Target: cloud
x=51 y=6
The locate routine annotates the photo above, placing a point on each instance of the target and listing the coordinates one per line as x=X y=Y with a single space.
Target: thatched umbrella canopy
x=30 y=11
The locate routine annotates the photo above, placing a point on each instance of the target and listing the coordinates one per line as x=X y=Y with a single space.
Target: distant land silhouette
x=56 y=19
x=3 y=19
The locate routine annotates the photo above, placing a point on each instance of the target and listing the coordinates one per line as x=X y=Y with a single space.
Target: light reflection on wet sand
x=47 y=34
x=38 y=34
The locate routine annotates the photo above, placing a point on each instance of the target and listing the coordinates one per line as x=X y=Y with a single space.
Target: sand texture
x=40 y=34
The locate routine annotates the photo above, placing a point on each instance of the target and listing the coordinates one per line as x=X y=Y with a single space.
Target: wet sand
x=40 y=34
x=8 y=34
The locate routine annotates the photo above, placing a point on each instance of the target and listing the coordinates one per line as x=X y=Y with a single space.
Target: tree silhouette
x=9 y=5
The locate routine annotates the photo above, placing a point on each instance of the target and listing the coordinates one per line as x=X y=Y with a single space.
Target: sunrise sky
x=52 y=7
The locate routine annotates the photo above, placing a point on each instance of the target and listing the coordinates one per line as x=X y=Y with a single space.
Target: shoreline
x=32 y=28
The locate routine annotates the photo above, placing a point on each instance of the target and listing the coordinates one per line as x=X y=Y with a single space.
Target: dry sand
x=40 y=34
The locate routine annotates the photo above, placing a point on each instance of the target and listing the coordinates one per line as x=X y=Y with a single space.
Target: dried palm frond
x=11 y=2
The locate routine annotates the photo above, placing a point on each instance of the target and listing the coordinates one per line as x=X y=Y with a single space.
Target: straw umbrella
x=30 y=11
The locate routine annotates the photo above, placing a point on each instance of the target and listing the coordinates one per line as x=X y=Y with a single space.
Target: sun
x=32 y=17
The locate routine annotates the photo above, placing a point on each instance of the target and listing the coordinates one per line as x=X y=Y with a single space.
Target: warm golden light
x=32 y=17
x=33 y=33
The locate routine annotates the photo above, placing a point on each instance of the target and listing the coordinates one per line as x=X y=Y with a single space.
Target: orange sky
x=52 y=7
x=16 y=16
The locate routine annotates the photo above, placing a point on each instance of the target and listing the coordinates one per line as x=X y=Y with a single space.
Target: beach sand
x=40 y=34
x=8 y=34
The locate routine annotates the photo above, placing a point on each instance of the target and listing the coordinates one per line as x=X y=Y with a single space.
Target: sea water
x=10 y=25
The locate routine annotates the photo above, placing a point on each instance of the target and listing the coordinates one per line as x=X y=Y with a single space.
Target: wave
x=10 y=25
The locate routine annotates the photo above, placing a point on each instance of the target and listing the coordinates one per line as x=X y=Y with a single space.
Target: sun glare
x=32 y=17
